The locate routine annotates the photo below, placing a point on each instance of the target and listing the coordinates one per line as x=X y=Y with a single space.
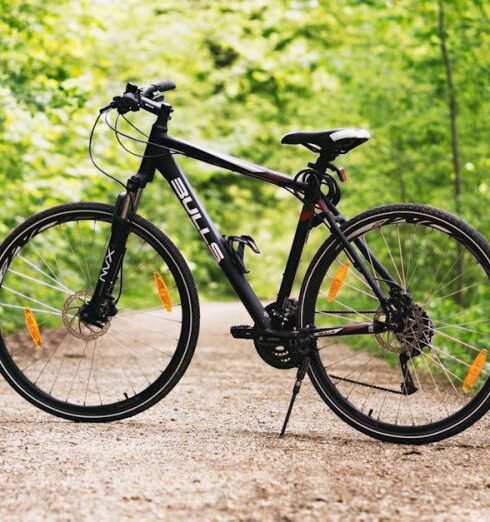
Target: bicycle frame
x=162 y=160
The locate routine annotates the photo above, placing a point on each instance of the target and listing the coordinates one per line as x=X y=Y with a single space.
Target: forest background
x=415 y=73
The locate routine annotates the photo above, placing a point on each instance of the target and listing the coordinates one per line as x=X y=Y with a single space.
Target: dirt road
x=210 y=451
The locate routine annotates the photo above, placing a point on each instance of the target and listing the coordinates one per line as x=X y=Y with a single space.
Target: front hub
x=74 y=314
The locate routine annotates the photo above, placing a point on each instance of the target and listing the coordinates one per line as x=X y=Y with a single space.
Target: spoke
x=135 y=357
x=404 y=281
x=410 y=252
x=60 y=366
x=442 y=286
x=354 y=373
x=465 y=310
x=17 y=307
x=82 y=272
x=129 y=380
x=152 y=347
x=78 y=369
x=439 y=363
x=122 y=318
x=450 y=337
x=459 y=291
x=442 y=403
x=90 y=372
x=391 y=385
x=64 y=291
x=427 y=400
x=95 y=376
x=399 y=408
x=326 y=346
x=32 y=265
x=30 y=299
x=93 y=249
x=372 y=296
x=446 y=354
x=363 y=240
x=368 y=395
x=344 y=359
x=441 y=261
x=355 y=274
x=146 y=310
x=459 y=327
x=418 y=257
x=33 y=246
x=156 y=316
x=84 y=255
x=51 y=357
x=391 y=255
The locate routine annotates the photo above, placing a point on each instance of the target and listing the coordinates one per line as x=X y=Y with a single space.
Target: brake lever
x=111 y=105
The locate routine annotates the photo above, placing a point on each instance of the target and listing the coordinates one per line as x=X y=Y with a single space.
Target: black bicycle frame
x=162 y=159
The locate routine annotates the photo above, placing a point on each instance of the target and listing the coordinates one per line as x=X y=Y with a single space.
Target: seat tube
x=299 y=241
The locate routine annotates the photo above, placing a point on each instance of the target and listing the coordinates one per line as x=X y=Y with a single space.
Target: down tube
x=212 y=238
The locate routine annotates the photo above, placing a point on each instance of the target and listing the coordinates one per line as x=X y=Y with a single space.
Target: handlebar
x=136 y=98
x=165 y=85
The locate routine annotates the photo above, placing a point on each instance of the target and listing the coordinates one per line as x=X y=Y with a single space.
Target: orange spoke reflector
x=163 y=292
x=475 y=370
x=32 y=327
x=338 y=280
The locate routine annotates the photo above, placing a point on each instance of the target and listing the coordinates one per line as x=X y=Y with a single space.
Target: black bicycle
x=100 y=313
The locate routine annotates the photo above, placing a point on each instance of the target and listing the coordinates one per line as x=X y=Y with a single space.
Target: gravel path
x=210 y=451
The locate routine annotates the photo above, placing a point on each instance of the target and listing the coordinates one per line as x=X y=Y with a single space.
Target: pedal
x=238 y=253
x=242 y=332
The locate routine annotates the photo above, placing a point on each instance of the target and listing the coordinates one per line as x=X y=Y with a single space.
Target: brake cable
x=92 y=159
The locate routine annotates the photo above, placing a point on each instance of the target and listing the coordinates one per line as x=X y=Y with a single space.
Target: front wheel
x=49 y=267
x=429 y=380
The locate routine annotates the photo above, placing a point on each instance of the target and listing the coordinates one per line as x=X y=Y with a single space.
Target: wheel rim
x=440 y=371
x=136 y=354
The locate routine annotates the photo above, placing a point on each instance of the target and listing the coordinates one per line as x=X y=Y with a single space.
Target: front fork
x=103 y=303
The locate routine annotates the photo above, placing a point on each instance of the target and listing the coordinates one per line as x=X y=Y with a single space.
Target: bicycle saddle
x=338 y=141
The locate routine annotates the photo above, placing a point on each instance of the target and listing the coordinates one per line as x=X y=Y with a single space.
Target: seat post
x=322 y=161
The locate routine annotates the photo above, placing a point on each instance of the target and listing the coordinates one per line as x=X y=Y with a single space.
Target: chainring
x=272 y=351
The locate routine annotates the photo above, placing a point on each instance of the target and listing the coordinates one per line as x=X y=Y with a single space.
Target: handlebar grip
x=164 y=85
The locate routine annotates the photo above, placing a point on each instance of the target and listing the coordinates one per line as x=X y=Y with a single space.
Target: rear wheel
x=444 y=265
x=49 y=267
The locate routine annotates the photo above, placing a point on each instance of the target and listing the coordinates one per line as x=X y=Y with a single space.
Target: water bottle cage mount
x=238 y=252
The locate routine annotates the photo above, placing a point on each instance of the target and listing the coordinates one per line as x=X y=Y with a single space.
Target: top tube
x=230 y=163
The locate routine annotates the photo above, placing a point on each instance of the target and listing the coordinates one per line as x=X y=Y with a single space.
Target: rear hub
x=413 y=330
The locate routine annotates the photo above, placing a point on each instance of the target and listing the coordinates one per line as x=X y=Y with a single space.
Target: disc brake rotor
x=71 y=318
x=417 y=333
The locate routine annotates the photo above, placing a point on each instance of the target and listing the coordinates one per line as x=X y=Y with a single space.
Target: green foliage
x=247 y=72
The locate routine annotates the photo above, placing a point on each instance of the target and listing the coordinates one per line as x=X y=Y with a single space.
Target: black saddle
x=334 y=141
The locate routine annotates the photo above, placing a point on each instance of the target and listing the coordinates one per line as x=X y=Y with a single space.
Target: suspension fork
x=102 y=303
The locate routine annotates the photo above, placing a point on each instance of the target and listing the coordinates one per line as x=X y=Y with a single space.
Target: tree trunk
x=456 y=155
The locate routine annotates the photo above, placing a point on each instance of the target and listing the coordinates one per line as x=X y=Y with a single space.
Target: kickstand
x=303 y=368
